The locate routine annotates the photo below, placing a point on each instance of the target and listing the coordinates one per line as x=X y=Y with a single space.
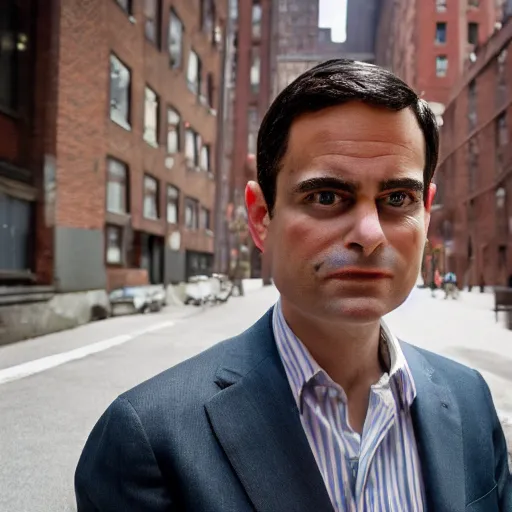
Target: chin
x=357 y=310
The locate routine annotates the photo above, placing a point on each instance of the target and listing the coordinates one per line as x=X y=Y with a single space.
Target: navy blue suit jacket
x=221 y=433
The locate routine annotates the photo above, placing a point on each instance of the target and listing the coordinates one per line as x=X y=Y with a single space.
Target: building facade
x=109 y=131
x=428 y=44
x=473 y=210
x=302 y=44
x=250 y=66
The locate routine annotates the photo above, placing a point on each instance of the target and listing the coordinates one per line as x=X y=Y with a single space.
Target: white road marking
x=23 y=370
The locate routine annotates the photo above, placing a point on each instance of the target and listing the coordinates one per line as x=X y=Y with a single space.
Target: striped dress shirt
x=378 y=471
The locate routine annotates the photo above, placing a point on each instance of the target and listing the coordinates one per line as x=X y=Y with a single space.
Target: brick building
x=108 y=134
x=302 y=44
x=250 y=66
x=474 y=203
x=427 y=43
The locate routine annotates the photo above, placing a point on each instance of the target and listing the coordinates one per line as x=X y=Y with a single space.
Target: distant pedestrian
x=436 y=283
x=450 y=285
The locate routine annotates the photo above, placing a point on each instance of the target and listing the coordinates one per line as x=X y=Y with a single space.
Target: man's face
x=349 y=224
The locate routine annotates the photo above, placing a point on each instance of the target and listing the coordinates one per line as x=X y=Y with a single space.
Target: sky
x=333 y=14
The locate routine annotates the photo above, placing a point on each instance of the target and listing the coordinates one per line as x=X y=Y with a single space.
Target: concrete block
x=63 y=311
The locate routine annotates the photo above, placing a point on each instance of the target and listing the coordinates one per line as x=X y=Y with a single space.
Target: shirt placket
x=382 y=408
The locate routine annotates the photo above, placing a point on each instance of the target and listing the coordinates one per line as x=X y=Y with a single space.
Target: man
x=317 y=407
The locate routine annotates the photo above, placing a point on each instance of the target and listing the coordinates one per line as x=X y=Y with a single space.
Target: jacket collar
x=256 y=420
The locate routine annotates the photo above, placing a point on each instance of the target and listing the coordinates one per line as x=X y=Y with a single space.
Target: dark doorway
x=152 y=257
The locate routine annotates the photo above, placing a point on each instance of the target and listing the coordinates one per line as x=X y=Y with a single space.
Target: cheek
x=300 y=233
x=408 y=238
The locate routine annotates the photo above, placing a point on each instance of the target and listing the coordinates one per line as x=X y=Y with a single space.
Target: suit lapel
x=256 y=420
x=438 y=432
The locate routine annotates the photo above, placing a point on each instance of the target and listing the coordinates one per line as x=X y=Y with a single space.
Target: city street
x=53 y=389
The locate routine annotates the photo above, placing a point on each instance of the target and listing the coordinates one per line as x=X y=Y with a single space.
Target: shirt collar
x=301 y=367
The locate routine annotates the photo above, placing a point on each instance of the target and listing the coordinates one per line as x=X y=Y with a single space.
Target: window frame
x=148 y=178
x=152 y=142
x=190 y=201
x=439 y=25
x=204 y=213
x=120 y=231
x=11 y=79
x=438 y=59
x=156 y=21
x=476 y=26
x=197 y=141
x=177 y=131
x=176 y=203
x=205 y=149
x=174 y=17
x=256 y=23
x=129 y=6
x=119 y=120
x=194 y=86
x=125 y=186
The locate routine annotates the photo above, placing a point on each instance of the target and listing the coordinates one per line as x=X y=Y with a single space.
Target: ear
x=258 y=215
x=431 y=194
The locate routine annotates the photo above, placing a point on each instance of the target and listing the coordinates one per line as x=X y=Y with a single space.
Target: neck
x=349 y=353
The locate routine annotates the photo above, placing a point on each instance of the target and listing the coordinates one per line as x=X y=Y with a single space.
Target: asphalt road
x=46 y=416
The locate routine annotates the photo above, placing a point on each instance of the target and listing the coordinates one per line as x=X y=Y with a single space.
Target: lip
x=360 y=274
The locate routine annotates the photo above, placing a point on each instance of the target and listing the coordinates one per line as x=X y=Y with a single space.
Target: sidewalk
x=464 y=330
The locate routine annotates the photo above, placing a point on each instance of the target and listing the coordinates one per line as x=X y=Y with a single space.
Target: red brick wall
x=453 y=170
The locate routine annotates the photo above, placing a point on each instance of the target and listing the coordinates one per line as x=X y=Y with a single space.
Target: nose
x=366 y=233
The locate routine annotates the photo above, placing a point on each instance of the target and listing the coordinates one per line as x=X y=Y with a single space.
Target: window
x=126 y=5
x=255 y=70
x=501 y=77
x=441 y=65
x=252 y=127
x=473 y=33
x=119 y=92
x=440 y=5
x=472 y=106
x=173 y=131
x=117 y=187
x=152 y=10
x=205 y=158
x=194 y=73
x=9 y=47
x=207 y=17
x=210 y=90
x=175 y=40
x=192 y=145
x=502 y=130
x=150 y=197
x=204 y=222
x=473 y=3
x=173 y=199
x=151 y=109
x=114 y=245
x=472 y=163
x=256 y=19
x=191 y=213
x=441 y=33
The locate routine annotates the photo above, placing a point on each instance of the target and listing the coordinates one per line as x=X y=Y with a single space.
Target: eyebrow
x=312 y=184
x=404 y=183
x=332 y=183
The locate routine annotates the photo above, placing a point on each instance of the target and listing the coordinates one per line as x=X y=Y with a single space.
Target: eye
x=398 y=199
x=323 y=198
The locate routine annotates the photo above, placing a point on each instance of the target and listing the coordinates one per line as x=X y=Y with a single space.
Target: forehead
x=356 y=138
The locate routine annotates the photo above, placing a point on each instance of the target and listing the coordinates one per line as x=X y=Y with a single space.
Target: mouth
x=356 y=274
